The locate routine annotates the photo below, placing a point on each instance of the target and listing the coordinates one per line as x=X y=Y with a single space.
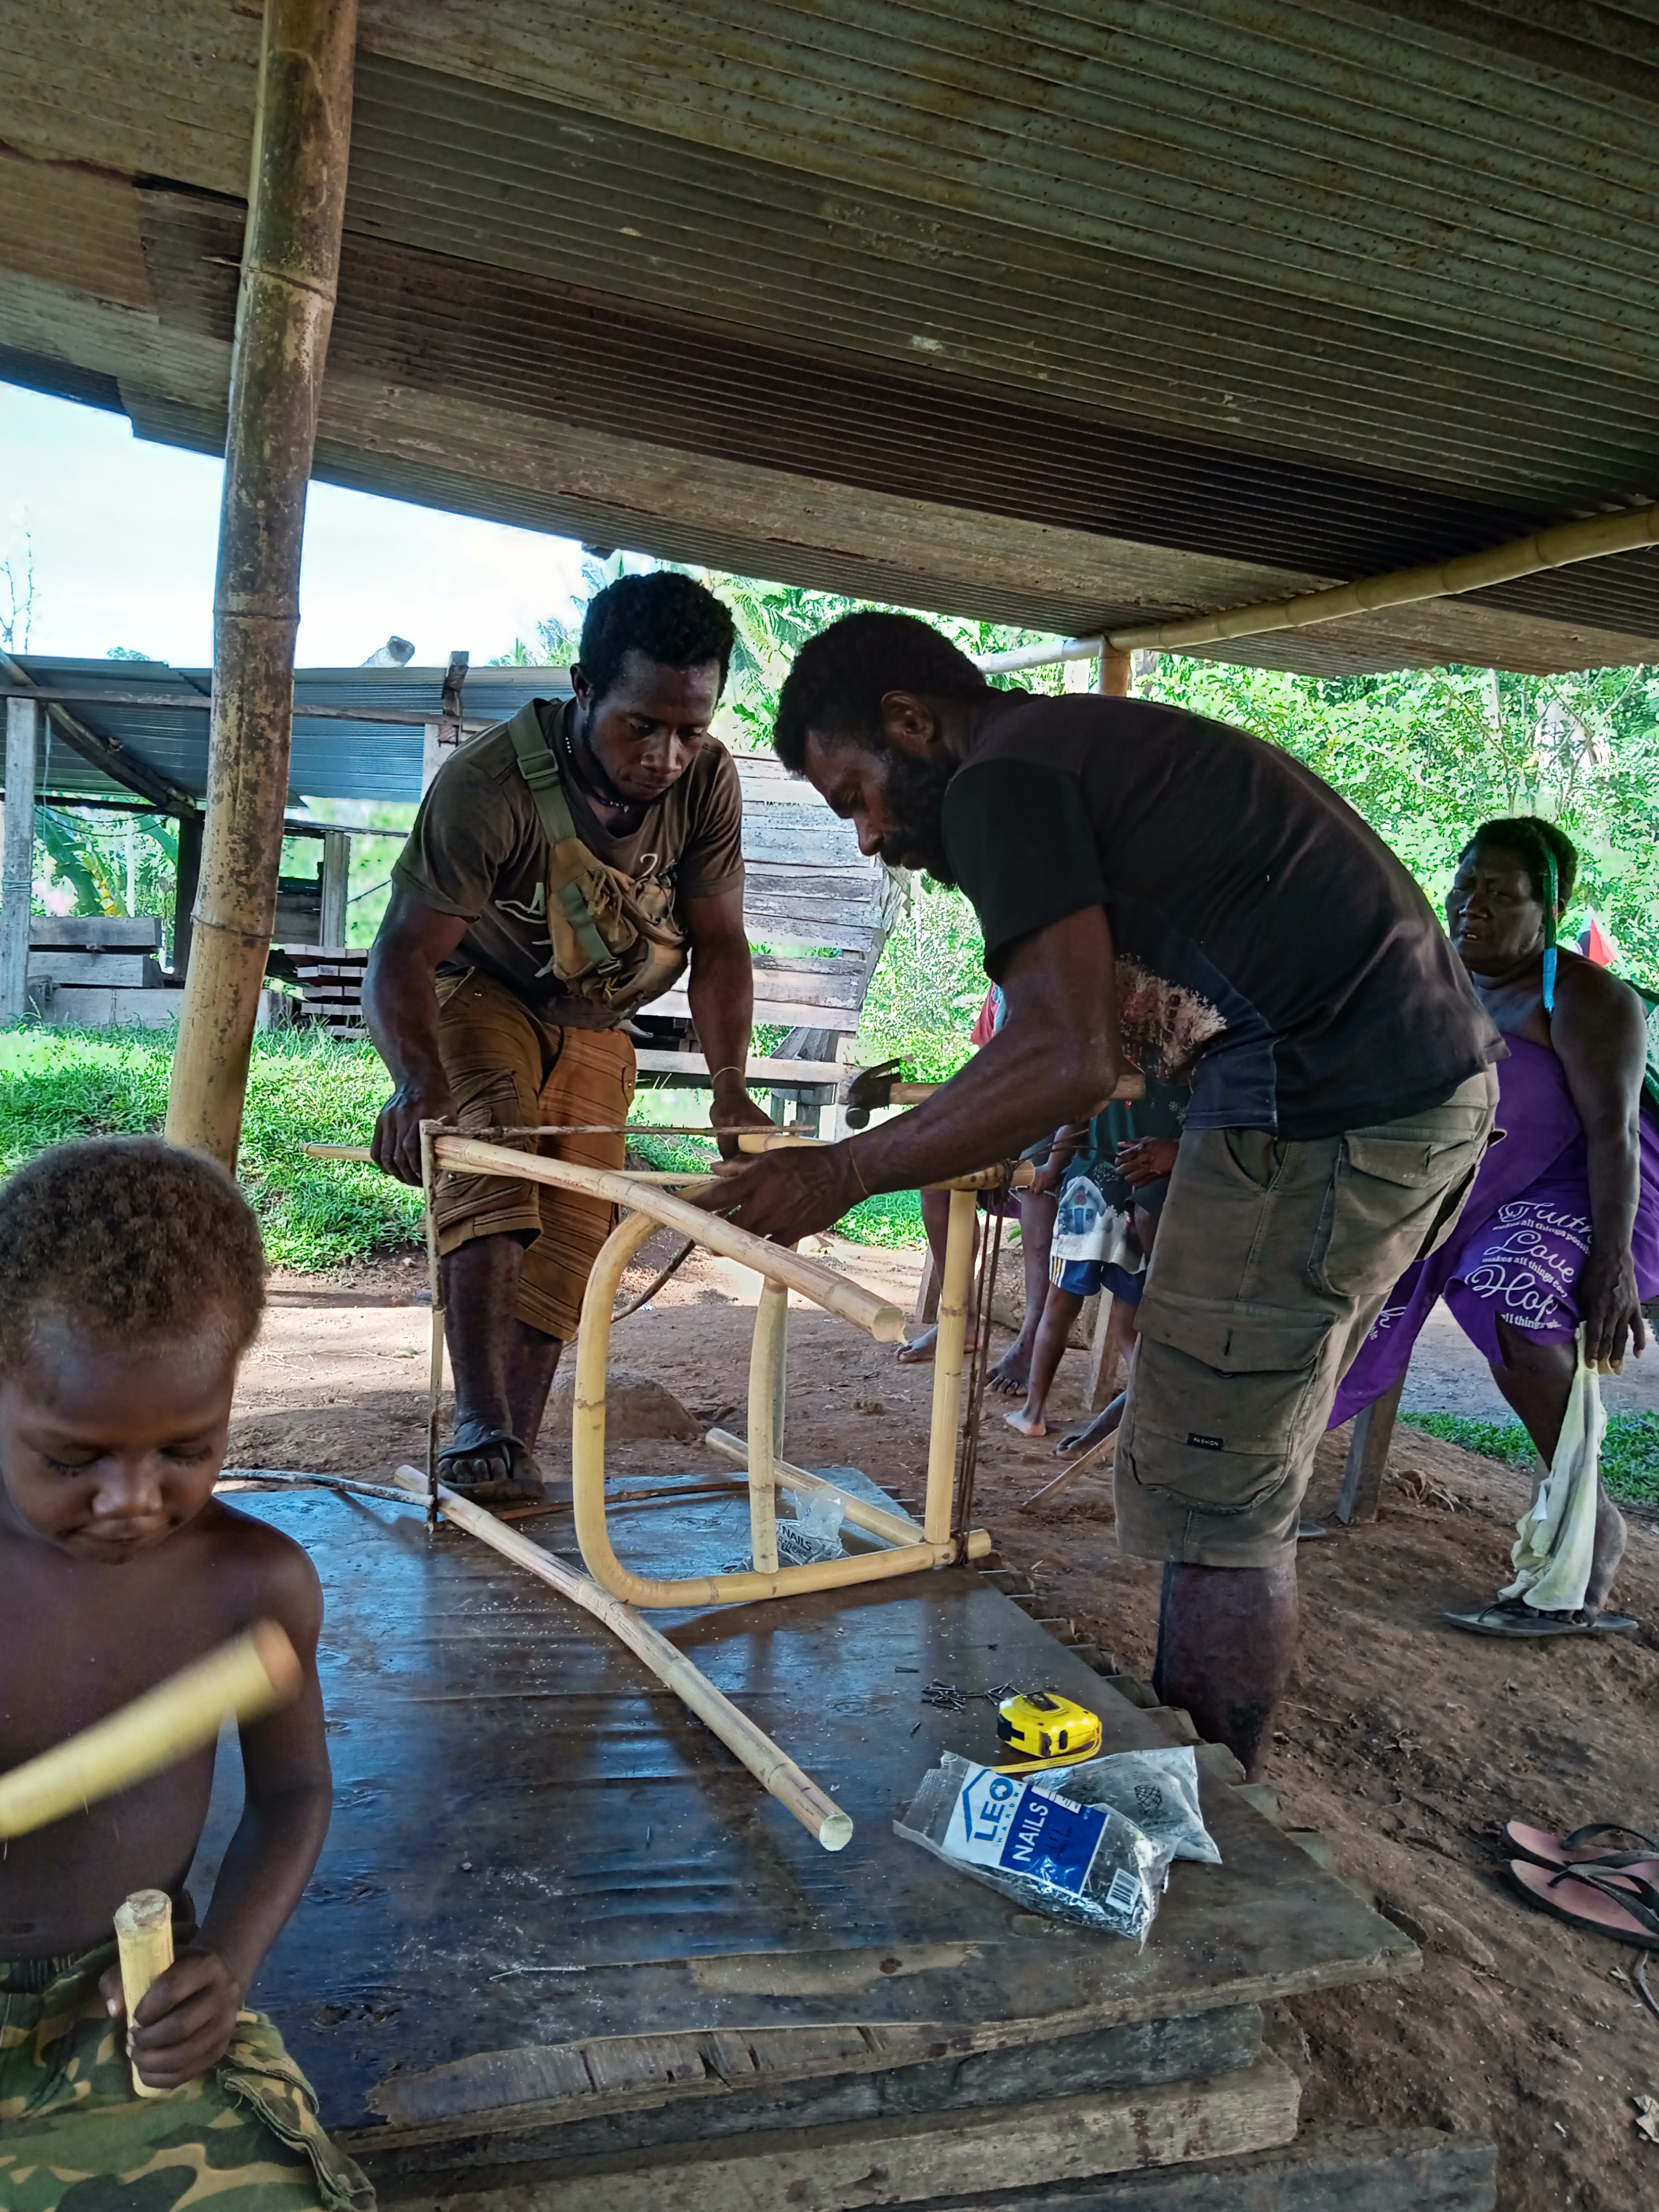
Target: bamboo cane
x=251 y=1674
x=143 y=1939
x=285 y=306
x=434 y=1372
x=1081 y=1465
x=950 y=1340
x=1592 y=539
x=765 y=1415
x=772 y=1768
x=821 y=1285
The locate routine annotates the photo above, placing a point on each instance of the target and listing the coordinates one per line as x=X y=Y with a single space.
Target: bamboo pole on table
x=251 y=1674
x=143 y=1942
x=772 y=1768
x=284 y=309
x=874 y=1520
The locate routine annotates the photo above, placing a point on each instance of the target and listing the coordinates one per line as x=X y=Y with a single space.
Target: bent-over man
x=562 y=869
x=1164 y=892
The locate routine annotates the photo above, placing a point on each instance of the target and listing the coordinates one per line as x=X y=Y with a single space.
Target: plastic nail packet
x=1156 y=1789
x=1087 y=1864
x=815 y=1532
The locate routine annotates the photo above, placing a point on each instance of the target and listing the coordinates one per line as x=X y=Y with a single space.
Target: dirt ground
x=1406 y=1743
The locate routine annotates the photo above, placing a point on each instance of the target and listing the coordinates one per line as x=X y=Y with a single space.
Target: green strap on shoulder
x=540 y=770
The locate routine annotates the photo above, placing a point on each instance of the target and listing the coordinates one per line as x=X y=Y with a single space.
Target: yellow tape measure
x=1049 y=1729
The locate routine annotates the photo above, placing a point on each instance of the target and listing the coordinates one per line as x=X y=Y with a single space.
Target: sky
x=123 y=535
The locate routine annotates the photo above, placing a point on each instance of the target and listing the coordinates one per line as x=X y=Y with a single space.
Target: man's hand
x=183 y=2026
x=735 y=1109
x=1611 y=1306
x=787 y=1194
x=396 y=1147
x=1147 y=1160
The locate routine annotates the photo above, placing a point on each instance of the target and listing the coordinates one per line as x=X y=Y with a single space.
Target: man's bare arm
x=1055 y=1058
x=400 y=1008
x=1600 y=1036
x=721 y=991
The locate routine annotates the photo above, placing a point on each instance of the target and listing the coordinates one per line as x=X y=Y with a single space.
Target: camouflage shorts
x=74 y=2138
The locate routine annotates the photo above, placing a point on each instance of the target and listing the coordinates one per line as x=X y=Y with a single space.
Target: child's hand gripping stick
x=252 y=1674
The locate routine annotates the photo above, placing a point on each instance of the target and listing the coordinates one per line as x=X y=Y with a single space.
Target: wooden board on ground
x=536 y=1847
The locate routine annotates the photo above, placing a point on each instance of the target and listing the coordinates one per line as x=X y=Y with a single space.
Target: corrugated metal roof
x=1276 y=291
x=331 y=758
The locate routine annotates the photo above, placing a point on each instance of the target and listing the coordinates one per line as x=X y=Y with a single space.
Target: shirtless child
x=131 y=1281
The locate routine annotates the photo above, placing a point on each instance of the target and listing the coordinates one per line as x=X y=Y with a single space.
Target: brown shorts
x=508 y=1069
x=1272 y=1260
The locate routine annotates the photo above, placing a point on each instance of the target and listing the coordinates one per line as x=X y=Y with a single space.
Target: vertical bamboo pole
x=948 y=1345
x=290 y=265
x=766 y=1411
x=1115 y=673
x=24 y=718
x=435 y=1276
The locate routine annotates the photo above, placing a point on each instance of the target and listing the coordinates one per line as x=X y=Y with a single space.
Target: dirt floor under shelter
x=1406 y=1743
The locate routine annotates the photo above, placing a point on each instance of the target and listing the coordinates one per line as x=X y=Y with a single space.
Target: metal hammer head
x=871 y=1088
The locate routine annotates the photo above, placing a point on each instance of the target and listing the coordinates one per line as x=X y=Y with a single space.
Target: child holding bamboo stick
x=131 y=1282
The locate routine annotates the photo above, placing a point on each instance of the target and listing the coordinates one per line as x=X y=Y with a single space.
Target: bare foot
x=1029 y=1424
x=919 y=1352
x=1104 y=1424
x=1012 y=1372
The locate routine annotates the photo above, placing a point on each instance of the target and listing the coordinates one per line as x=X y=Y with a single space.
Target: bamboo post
x=284 y=308
x=772 y=1768
x=252 y=1674
x=1115 y=672
x=766 y=1411
x=143 y=1938
x=336 y=885
x=23 y=721
x=435 y=1374
x=948 y=1346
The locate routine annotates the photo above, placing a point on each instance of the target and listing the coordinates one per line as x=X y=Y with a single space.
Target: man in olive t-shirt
x=466 y=1002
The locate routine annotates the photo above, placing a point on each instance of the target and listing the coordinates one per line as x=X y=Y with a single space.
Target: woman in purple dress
x=1562 y=1225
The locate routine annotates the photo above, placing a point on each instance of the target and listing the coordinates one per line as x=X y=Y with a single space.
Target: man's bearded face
x=894 y=798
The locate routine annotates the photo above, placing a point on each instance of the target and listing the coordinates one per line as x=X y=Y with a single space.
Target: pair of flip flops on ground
x=1608 y=1893
x=1514 y=1617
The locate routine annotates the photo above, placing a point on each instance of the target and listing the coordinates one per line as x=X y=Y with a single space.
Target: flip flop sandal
x=521 y=1487
x=1557 y=1851
x=1621 y=1905
x=1519 y=1623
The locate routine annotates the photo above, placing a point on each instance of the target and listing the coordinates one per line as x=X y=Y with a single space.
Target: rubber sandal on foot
x=521 y=1487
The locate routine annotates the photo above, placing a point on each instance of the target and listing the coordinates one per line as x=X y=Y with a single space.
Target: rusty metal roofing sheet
x=1318 y=285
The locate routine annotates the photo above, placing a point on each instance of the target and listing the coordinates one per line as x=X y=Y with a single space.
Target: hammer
x=873 y=1088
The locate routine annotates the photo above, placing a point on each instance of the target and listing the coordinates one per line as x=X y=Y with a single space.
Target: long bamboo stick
x=143 y=1943
x=772 y=1768
x=252 y=1674
x=1592 y=539
x=285 y=310
x=775 y=1261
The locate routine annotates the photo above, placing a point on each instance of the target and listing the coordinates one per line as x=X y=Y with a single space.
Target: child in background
x=131 y=1281
x=1130 y=1153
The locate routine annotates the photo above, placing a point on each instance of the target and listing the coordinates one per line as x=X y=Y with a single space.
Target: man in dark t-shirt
x=1166 y=893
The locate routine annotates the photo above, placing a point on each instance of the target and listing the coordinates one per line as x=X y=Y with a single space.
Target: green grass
x=1630 y=1454
x=56 y=1084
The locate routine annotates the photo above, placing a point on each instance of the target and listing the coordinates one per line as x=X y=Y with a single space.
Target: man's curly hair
x=130 y=1241
x=666 y=617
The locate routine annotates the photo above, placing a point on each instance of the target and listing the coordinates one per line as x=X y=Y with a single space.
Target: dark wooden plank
x=594 y=1862
x=548 y=2108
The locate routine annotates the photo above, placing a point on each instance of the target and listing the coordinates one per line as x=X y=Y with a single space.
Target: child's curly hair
x=128 y=1240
